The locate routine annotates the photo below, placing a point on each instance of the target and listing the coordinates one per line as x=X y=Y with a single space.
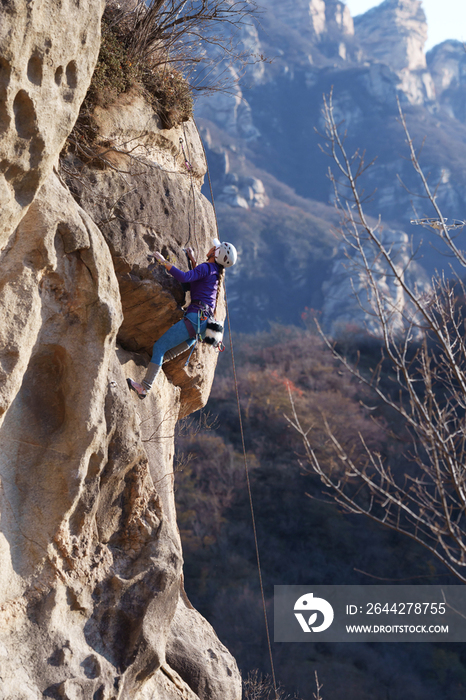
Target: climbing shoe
x=138 y=388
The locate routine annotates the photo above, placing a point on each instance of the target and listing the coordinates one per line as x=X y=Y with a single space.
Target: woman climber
x=205 y=282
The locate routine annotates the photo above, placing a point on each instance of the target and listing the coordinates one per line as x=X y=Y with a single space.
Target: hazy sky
x=446 y=18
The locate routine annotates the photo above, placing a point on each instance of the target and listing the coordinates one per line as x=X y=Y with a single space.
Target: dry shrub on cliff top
x=181 y=29
x=157 y=48
x=120 y=70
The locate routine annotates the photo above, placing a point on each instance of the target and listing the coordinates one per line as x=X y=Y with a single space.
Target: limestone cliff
x=394 y=33
x=91 y=591
x=447 y=64
x=349 y=300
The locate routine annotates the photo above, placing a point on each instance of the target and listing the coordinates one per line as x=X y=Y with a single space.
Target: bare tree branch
x=423 y=342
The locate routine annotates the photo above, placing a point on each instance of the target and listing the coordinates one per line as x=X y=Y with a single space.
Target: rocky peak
x=447 y=64
x=338 y=16
x=315 y=17
x=395 y=33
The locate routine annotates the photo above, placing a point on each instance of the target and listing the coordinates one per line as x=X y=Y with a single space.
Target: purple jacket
x=204 y=283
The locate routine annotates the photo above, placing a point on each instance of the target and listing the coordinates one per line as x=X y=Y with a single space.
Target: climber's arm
x=198 y=273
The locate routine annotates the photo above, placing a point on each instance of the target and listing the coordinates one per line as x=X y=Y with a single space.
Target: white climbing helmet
x=225 y=254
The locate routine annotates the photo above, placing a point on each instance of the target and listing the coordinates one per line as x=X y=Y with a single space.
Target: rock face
x=48 y=53
x=350 y=303
x=90 y=557
x=317 y=17
x=229 y=108
x=243 y=192
x=394 y=32
x=447 y=64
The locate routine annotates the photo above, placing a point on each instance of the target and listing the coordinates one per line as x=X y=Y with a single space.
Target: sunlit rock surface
x=394 y=32
x=48 y=52
x=447 y=64
x=90 y=553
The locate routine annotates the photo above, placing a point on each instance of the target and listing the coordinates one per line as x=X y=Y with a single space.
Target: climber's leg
x=143 y=388
x=150 y=376
x=174 y=336
x=177 y=350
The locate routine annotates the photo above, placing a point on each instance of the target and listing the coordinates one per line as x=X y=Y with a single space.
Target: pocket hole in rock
x=34 y=70
x=59 y=75
x=72 y=74
x=25 y=115
x=5 y=72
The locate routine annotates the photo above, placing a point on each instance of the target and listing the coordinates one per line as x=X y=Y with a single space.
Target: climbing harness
x=438 y=224
x=213 y=332
x=197 y=332
x=246 y=467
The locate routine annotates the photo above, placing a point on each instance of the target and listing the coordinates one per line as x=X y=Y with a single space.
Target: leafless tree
x=319 y=687
x=427 y=356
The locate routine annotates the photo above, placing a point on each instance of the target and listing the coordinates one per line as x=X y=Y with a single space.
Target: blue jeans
x=174 y=336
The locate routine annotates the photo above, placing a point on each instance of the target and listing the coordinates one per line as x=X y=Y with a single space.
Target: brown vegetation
x=270 y=367
x=301 y=539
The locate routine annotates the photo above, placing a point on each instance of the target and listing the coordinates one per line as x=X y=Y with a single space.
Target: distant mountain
x=264 y=150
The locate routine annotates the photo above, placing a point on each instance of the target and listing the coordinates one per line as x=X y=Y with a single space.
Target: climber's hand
x=159 y=257
x=190 y=253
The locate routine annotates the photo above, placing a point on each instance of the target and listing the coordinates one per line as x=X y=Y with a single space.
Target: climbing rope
x=186 y=161
x=189 y=168
x=246 y=467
